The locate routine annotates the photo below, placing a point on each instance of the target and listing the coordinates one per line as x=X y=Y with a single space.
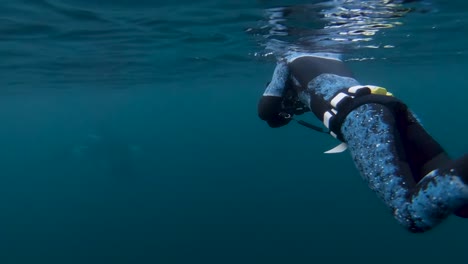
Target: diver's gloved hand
x=293 y=106
x=270 y=109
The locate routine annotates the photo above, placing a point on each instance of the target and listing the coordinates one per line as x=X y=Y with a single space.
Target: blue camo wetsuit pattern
x=418 y=207
x=370 y=136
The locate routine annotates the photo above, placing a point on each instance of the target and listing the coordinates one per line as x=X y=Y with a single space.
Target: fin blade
x=338 y=149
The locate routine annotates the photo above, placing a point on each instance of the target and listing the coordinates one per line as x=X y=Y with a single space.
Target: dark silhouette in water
x=106 y=152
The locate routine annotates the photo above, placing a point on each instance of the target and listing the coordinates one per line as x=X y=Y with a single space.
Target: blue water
x=130 y=134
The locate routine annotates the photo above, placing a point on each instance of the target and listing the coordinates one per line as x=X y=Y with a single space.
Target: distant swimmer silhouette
x=399 y=160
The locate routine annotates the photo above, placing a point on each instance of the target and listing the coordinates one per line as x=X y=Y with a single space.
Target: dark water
x=129 y=131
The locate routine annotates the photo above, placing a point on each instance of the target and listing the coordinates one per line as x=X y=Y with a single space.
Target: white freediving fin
x=338 y=149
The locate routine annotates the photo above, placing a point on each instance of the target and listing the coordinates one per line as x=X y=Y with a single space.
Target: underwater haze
x=129 y=130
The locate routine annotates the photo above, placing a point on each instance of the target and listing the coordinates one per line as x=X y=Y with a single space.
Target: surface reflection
x=333 y=26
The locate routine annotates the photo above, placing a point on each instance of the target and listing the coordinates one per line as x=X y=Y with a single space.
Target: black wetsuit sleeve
x=271 y=103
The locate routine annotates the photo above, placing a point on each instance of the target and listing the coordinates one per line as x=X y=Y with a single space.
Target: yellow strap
x=379 y=90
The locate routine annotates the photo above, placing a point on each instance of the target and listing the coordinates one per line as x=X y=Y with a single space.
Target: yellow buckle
x=379 y=90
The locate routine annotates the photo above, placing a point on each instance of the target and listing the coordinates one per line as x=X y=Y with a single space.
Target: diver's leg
x=425 y=154
x=376 y=147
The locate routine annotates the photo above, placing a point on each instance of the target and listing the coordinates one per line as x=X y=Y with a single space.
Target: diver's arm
x=270 y=104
